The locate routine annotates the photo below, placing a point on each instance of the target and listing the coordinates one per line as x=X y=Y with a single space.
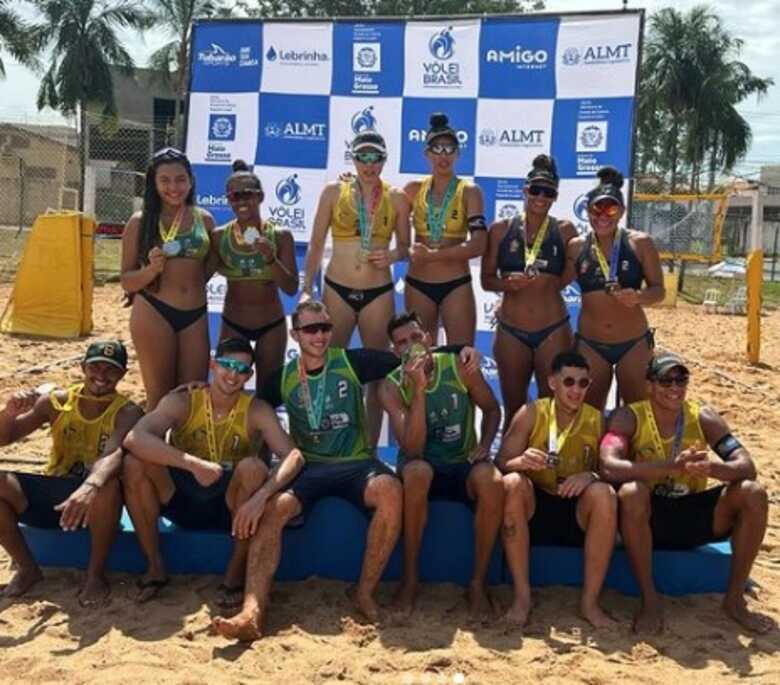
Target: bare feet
x=149 y=587
x=244 y=626
x=230 y=596
x=95 y=592
x=752 y=620
x=596 y=616
x=23 y=580
x=364 y=604
x=481 y=606
x=405 y=599
x=650 y=617
x=519 y=611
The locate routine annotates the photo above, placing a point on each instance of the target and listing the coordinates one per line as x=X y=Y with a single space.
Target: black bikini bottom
x=358 y=298
x=438 y=292
x=532 y=339
x=253 y=334
x=178 y=319
x=612 y=353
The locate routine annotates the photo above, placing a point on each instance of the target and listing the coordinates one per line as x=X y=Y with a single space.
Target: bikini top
x=191 y=245
x=344 y=222
x=512 y=249
x=456 y=221
x=240 y=262
x=589 y=274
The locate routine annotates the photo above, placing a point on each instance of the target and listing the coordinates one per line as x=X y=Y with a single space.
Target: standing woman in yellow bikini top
x=164 y=248
x=363 y=214
x=449 y=230
x=257 y=259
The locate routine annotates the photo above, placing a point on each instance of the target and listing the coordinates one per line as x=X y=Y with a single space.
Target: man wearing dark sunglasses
x=657 y=451
x=553 y=494
x=210 y=474
x=431 y=401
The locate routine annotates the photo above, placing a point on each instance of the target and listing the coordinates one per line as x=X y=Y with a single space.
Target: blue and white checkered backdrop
x=289 y=96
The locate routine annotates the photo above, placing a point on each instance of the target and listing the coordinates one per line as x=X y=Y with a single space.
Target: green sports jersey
x=342 y=434
x=449 y=412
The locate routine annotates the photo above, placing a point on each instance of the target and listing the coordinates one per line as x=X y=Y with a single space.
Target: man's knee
x=634 y=498
x=133 y=471
x=281 y=508
x=600 y=496
x=385 y=493
x=751 y=496
x=417 y=476
x=250 y=473
x=518 y=490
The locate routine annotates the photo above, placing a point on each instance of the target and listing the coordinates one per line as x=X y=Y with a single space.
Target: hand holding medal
x=171 y=246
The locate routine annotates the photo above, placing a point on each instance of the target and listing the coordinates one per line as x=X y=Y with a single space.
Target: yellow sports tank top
x=231 y=438
x=644 y=450
x=76 y=439
x=456 y=222
x=579 y=451
x=344 y=222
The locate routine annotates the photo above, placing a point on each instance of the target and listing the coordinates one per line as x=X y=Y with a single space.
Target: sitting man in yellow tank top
x=80 y=487
x=553 y=494
x=213 y=471
x=657 y=449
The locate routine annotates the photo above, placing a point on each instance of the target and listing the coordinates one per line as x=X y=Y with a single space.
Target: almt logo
x=597 y=54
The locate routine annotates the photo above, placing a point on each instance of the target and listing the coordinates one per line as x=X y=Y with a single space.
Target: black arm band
x=726 y=446
x=477 y=223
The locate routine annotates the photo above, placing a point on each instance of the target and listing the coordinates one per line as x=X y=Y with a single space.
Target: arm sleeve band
x=477 y=223
x=726 y=446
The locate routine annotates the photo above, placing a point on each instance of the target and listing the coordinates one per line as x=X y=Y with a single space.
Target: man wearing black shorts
x=80 y=487
x=431 y=403
x=657 y=450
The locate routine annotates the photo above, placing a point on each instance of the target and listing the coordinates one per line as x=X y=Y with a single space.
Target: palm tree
x=172 y=59
x=83 y=44
x=14 y=36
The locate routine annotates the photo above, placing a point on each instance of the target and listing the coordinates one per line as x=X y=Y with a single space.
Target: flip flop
x=230 y=597
x=153 y=584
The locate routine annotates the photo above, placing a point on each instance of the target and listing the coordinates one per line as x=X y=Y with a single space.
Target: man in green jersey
x=430 y=401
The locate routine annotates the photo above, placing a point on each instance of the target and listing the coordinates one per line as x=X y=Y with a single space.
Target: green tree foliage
x=691 y=82
x=14 y=36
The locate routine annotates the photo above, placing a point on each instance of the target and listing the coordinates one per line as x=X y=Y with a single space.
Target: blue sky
x=757 y=22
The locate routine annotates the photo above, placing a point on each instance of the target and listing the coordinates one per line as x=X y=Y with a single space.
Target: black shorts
x=554 y=522
x=347 y=480
x=43 y=493
x=195 y=507
x=685 y=522
x=449 y=483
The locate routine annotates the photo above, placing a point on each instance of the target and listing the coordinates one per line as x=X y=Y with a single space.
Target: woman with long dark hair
x=449 y=230
x=257 y=259
x=164 y=248
x=525 y=261
x=619 y=272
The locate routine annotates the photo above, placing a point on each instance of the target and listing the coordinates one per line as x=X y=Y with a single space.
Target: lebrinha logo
x=597 y=54
x=363 y=120
x=443 y=72
x=295 y=57
x=288 y=190
x=216 y=56
x=211 y=200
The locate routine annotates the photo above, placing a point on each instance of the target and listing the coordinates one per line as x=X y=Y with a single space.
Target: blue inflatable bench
x=330 y=544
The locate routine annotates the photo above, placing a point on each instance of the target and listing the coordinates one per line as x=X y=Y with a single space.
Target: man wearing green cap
x=80 y=487
x=657 y=450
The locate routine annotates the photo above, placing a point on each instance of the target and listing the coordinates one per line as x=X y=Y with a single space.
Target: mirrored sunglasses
x=547 y=191
x=570 y=381
x=239 y=195
x=236 y=365
x=369 y=157
x=314 y=328
x=443 y=148
x=169 y=153
x=606 y=208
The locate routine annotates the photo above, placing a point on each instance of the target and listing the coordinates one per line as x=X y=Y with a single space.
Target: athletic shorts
x=685 y=522
x=449 y=483
x=554 y=522
x=43 y=493
x=347 y=480
x=196 y=507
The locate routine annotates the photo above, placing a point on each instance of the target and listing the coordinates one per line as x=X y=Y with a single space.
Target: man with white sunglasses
x=554 y=495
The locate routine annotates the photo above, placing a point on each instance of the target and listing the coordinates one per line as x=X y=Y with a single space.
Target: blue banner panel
x=366 y=58
x=210 y=182
x=226 y=57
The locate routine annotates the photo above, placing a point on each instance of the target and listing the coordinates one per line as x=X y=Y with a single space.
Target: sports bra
x=512 y=249
x=456 y=222
x=195 y=243
x=237 y=262
x=589 y=274
x=344 y=222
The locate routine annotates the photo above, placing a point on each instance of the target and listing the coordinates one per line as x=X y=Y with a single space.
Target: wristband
x=477 y=223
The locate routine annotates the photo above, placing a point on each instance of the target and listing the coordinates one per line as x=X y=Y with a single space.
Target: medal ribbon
x=74 y=391
x=532 y=253
x=437 y=216
x=366 y=218
x=658 y=443
x=556 y=442
x=313 y=409
x=609 y=270
x=211 y=429
x=169 y=234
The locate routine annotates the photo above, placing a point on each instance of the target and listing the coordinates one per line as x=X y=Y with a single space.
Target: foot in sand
x=364 y=604
x=752 y=620
x=95 y=592
x=149 y=587
x=245 y=627
x=230 y=596
x=23 y=580
x=481 y=606
x=405 y=599
x=519 y=611
x=650 y=617
x=596 y=616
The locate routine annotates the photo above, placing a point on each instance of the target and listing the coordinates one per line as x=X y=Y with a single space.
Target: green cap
x=664 y=362
x=111 y=351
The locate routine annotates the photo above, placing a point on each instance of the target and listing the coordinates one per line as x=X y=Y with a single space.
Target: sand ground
x=313 y=635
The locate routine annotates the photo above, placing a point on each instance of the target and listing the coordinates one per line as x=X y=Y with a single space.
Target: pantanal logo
x=442 y=44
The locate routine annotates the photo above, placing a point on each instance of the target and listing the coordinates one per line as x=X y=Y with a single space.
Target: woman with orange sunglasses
x=619 y=272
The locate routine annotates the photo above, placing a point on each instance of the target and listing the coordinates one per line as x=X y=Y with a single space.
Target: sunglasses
x=234 y=365
x=443 y=148
x=314 y=328
x=169 y=153
x=550 y=193
x=570 y=382
x=669 y=381
x=239 y=195
x=369 y=157
x=607 y=208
